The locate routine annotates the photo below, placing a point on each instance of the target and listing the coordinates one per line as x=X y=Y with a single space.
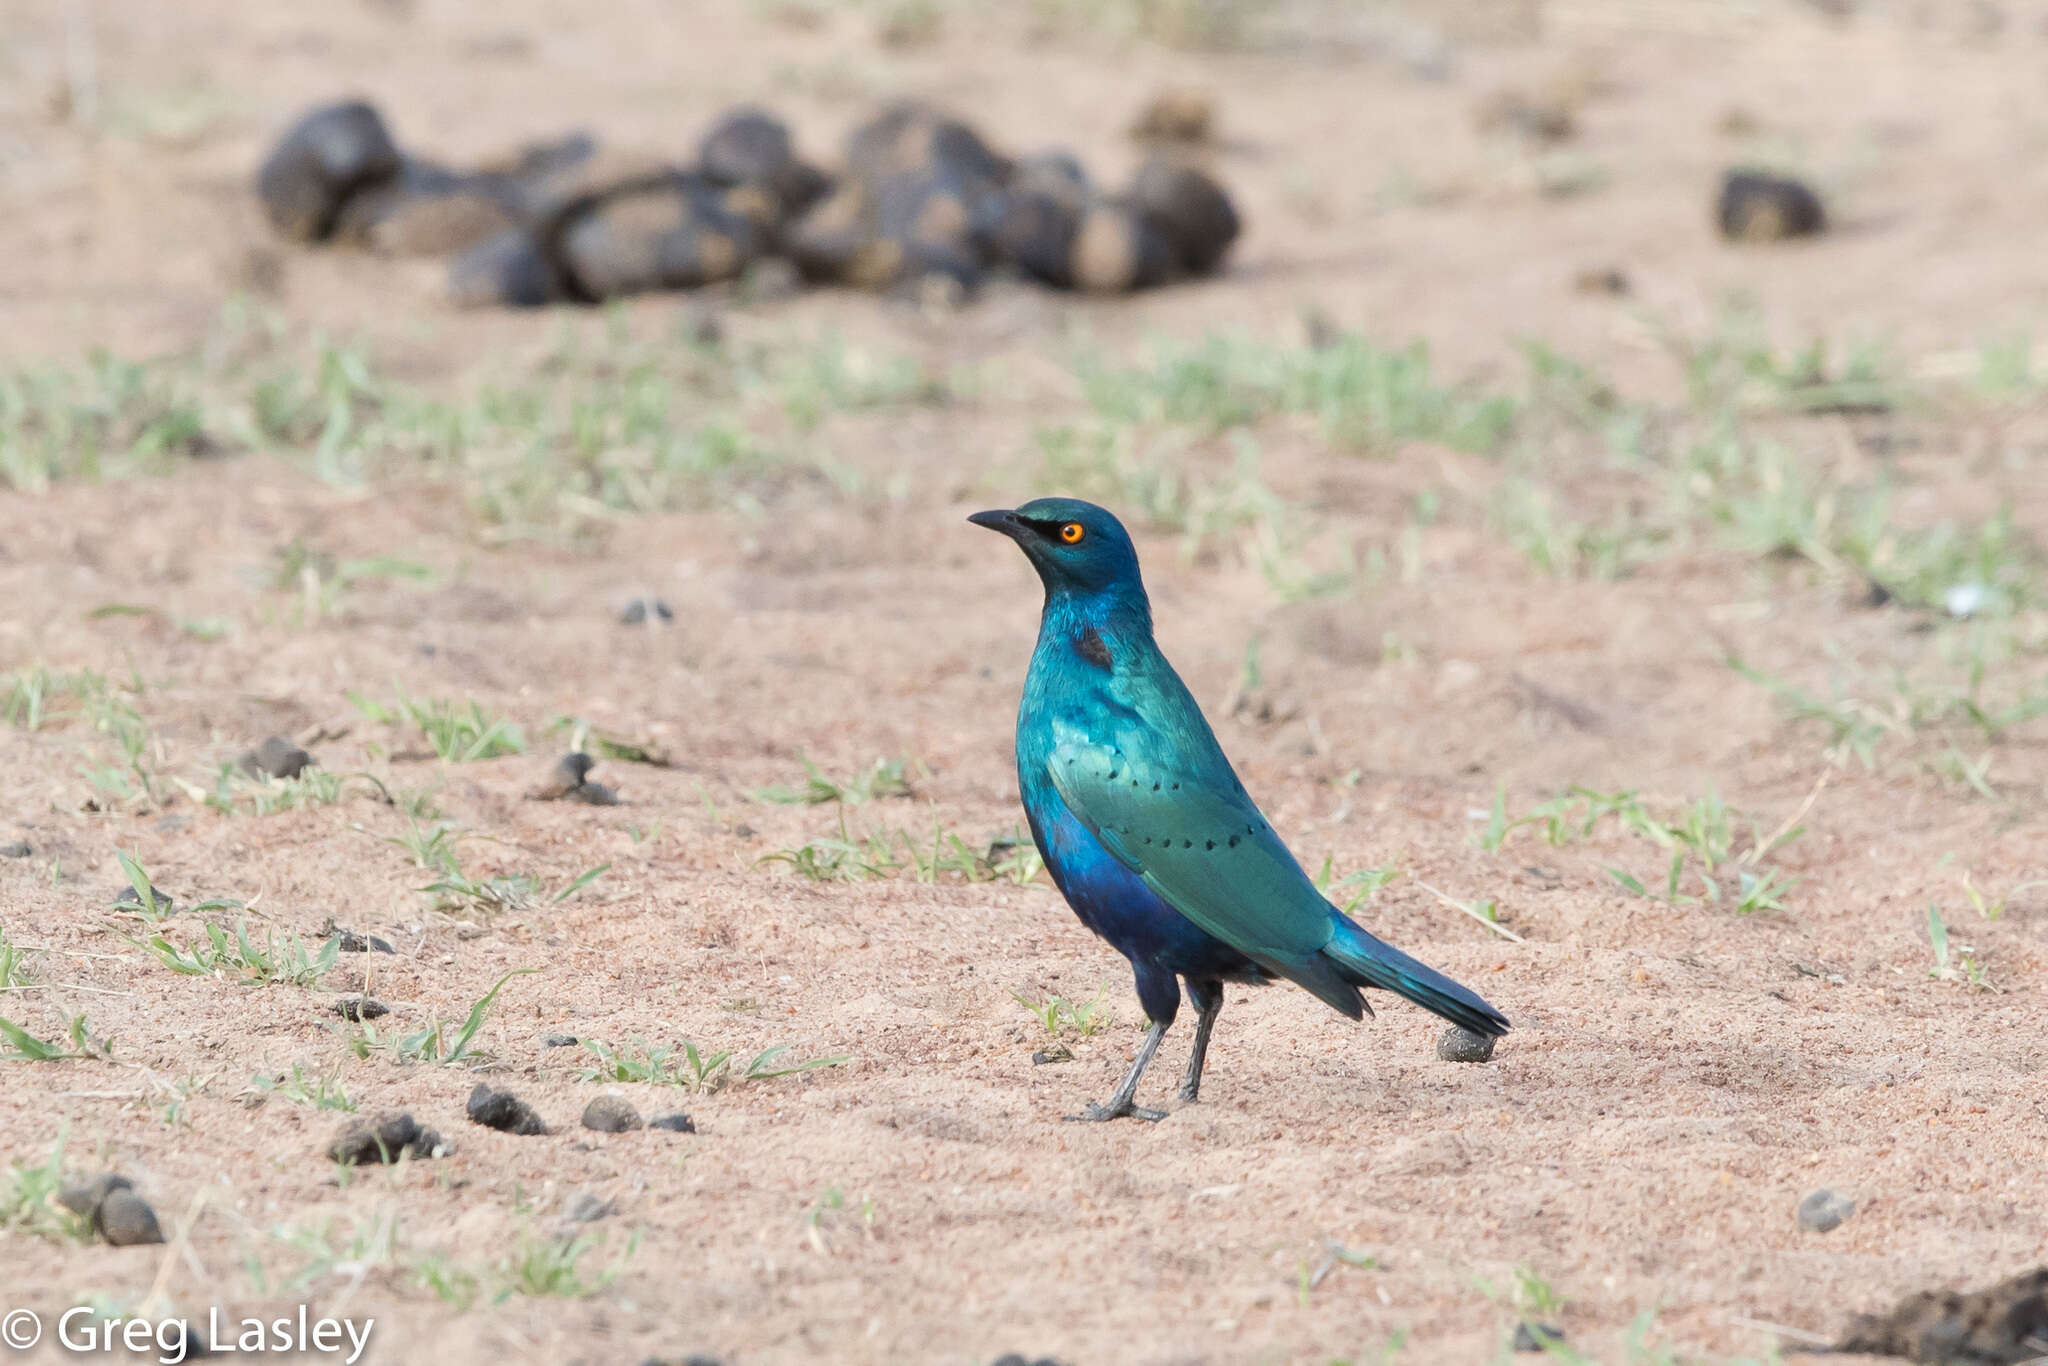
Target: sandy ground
x=1679 y=1076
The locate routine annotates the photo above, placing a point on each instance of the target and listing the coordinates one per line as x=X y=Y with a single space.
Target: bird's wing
x=1203 y=848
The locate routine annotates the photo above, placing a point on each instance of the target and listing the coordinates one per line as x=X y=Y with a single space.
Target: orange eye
x=1072 y=533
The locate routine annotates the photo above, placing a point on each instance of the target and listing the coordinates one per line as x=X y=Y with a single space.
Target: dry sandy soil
x=1679 y=1075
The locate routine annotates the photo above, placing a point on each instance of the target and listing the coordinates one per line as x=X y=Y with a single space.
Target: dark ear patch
x=1091 y=648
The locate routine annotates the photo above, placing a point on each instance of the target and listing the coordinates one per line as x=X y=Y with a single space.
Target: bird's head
x=1076 y=547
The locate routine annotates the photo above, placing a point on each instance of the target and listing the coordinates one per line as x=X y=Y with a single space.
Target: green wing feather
x=1209 y=854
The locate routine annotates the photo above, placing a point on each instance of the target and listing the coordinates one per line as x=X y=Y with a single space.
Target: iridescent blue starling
x=1145 y=827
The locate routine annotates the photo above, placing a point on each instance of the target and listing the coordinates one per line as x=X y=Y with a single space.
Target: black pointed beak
x=1003 y=520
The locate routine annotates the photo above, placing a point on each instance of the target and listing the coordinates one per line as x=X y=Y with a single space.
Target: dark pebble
x=1462 y=1045
x=1033 y=230
x=588 y=1209
x=509 y=269
x=85 y=1200
x=1601 y=280
x=331 y=153
x=750 y=147
x=361 y=1008
x=125 y=1219
x=180 y=1341
x=680 y=234
x=911 y=136
x=363 y=1142
x=1059 y=1052
x=1117 y=248
x=678 y=1123
x=350 y=941
x=1536 y=1337
x=646 y=609
x=503 y=1111
x=15 y=849
x=428 y=210
x=1764 y=208
x=746 y=146
x=1189 y=209
x=830 y=240
x=611 y=1115
x=126 y=897
x=1183 y=115
x=565 y=780
x=560 y=1041
x=276 y=757
x=1823 y=1211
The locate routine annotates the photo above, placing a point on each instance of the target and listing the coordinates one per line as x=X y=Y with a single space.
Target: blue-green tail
x=1366 y=961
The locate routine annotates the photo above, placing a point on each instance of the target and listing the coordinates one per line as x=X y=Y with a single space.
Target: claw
x=1189 y=1092
x=1102 y=1114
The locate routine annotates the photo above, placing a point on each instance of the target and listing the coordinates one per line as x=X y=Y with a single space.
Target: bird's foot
x=1190 y=1091
x=1102 y=1114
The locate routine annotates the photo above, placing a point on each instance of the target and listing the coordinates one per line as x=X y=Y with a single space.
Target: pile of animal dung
x=2003 y=1325
x=922 y=199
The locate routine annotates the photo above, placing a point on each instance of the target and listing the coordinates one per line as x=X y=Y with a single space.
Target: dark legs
x=1208 y=1002
x=1208 y=999
x=1120 y=1103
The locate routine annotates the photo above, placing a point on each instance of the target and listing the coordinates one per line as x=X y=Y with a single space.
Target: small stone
x=677 y=1123
x=503 y=1111
x=560 y=1041
x=428 y=211
x=1536 y=1337
x=1823 y=1211
x=362 y=1142
x=1117 y=248
x=349 y=941
x=1059 y=1052
x=909 y=136
x=126 y=897
x=85 y=1200
x=563 y=779
x=510 y=269
x=1462 y=1045
x=1754 y=207
x=1177 y=115
x=178 y=1340
x=1539 y=118
x=125 y=1219
x=641 y=610
x=357 y=1009
x=611 y=1115
x=1602 y=280
x=1189 y=209
x=678 y=234
x=594 y=794
x=276 y=757
x=331 y=153
x=588 y=1209
x=15 y=849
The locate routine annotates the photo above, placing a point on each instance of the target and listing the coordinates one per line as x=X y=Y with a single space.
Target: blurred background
x=1587 y=456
